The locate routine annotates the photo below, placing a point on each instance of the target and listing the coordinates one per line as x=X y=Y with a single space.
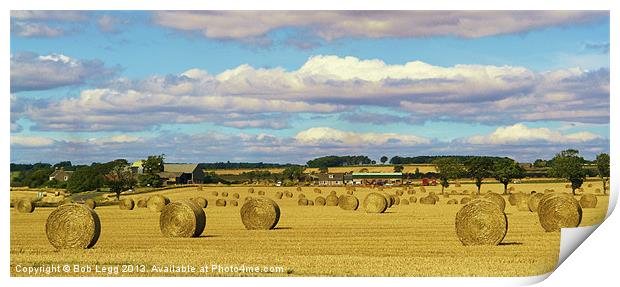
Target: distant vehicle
x=279 y=183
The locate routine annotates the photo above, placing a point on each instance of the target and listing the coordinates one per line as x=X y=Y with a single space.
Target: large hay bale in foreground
x=126 y=204
x=25 y=206
x=142 y=203
x=453 y=201
x=278 y=195
x=260 y=213
x=302 y=202
x=331 y=200
x=498 y=199
x=220 y=202
x=588 y=201
x=558 y=210
x=319 y=201
x=156 y=203
x=182 y=218
x=428 y=200
x=348 y=202
x=533 y=201
x=375 y=203
x=413 y=199
x=404 y=201
x=481 y=222
x=200 y=201
x=91 y=203
x=73 y=226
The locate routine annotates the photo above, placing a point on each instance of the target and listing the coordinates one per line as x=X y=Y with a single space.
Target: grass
x=413 y=240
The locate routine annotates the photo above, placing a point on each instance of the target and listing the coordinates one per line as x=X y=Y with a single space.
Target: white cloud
x=58 y=15
x=28 y=30
x=521 y=134
x=31 y=141
x=331 y=136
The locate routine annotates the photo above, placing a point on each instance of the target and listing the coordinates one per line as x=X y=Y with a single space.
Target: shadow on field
x=511 y=243
x=208 y=236
x=286 y=227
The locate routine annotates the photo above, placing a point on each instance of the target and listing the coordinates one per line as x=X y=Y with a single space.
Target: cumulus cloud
x=43 y=23
x=330 y=25
x=35 y=30
x=58 y=15
x=30 y=141
x=331 y=136
x=30 y=71
x=521 y=134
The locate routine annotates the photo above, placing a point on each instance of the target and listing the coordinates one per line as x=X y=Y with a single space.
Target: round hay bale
x=91 y=203
x=310 y=203
x=396 y=200
x=465 y=200
x=375 y=203
x=126 y=204
x=320 y=201
x=598 y=190
x=433 y=195
x=200 y=201
x=513 y=198
x=156 y=203
x=390 y=199
x=316 y=190
x=348 y=202
x=260 y=214
x=25 y=206
x=454 y=192
x=413 y=199
x=399 y=192
x=214 y=193
x=428 y=200
x=533 y=201
x=233 y=203
x=73 y=226
x=298 y=188
x=498 y=199
x=182 y=218
x=142 y=203
x=589 y=185
x=301 y=195
x=235 y=195
x=404 y=201
x=333 y=192
x=588 y=201
x=567 y=186
x=453 y=201
x=225 y=194
x=481 y=222
x=522 y=203
x=331 y=200
x=251 y=190
x=558 y=210
x=279 y=195
x=220 y=202
x=288 y=194
x=302 y=202
x=261 y=192
x=411 y=191
x=350 y=192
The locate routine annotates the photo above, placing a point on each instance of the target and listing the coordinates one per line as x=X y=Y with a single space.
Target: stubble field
x=407 y=240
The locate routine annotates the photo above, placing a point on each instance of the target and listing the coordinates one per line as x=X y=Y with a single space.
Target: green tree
x=154 y=164
x=505 y=170
x=569 y=165
x=602 y=166
x=384 y=159
x=120 y=178
x=150 y=179
x=479 y=168
x=398 y=168
x=293 y=172
x=449 y=169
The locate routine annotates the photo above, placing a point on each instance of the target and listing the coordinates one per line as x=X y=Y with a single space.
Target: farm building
x=330 y=178
x=377 y=178
x=182 y=173
x=137 y=167
x=61 y=175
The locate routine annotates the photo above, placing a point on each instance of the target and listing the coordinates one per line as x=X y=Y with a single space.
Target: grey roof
x=336 y=176
x=180 y=167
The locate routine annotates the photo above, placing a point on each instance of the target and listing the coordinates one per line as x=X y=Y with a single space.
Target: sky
x=289 y=86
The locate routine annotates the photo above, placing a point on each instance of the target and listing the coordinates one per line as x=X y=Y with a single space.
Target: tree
x=479 y=168
x=154 y=164
x=150 y=179
x=449 y=168
x=602 y=166
x=505 y=170
x=293 y=172
x=569 y=165
x=384 y=159
x=540 y=163
x=120 y=178
x=398 y=168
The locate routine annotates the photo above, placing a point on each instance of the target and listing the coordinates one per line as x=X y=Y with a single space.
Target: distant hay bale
x=428 y=200
x=260 y=214
x=91 y=203
x=453 y=201
x=251 y=190
x=288 y=194
x=220 y=202
x=225 y=194
x=588 y=201
x=375 y=203
x=182 y=218
x=348 y=202
x=522 y=203
x=399 y=192
x=156 y=203
x=73 y=226
x=454 y=192
x=234 y=203
x=350 y=192
x=261 y=192
x=433 y=195
x=465 y=200
x=466 y=192
x=481 y=222
x=413 y=199
x=404 y=201
x=298 y=188
x=411 y=191
x=559 y=210
x=235 y=195
x=567 y=186
x=333 y=192
x=589 y=185
x=390 y=199
x=142 y=203
x=498 y=199
x=302 y=202
x=396 y=200
x=25 y=206
x=301 y=195
x=279 y=195
x=514 y=197
x=200 y=201
x=533 y=201
x=598 y=190
x=214 y=193
x=458 y=184
x=126 y=204
x=316 y=190
x=310 y=203
x=331 y=200
x=319 y=201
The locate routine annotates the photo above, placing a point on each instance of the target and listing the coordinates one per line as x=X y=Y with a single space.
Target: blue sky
x=93 y=86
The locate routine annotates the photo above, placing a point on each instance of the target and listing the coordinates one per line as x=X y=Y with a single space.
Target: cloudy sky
x=290 y=86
